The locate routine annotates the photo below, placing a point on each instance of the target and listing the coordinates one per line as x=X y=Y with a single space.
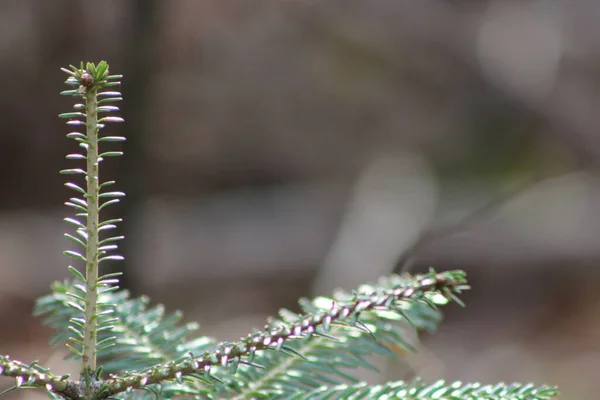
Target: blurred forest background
x=281 y=148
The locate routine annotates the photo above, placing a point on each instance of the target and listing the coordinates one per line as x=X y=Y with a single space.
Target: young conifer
x=129 y=349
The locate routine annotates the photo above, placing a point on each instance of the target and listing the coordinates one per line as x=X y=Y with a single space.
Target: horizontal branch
x=35 y=376
x=277 y=333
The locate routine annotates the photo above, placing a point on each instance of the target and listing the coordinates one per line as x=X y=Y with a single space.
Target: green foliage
x=437 y=391
x=92 y=316
x=144 y=353
x=296 y=352
x=142 y=336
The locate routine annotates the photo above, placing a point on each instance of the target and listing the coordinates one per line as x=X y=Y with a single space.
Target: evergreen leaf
x=421 y=391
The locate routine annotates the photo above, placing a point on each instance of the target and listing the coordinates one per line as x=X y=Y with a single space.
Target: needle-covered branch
x=391 y=295
x=34 y=376
x=91 y=83
x=131 y=350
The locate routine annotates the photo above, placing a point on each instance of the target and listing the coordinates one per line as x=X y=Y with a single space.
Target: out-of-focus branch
x=434 y=233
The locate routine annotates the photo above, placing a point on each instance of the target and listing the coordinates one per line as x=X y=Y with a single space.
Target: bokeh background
x=282 y=148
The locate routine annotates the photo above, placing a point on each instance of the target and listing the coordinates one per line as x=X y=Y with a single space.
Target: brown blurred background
x=282 y=148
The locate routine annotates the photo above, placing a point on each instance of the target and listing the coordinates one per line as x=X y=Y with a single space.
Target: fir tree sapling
x=129 y=349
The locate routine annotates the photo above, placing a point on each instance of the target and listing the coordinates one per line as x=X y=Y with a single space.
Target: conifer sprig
x=391 y=295
x=148 y=354
x=90 y=82
x=439 y=390
x=32 y=375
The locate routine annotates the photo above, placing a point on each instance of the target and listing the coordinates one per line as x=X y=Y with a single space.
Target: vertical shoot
x=94 y=86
